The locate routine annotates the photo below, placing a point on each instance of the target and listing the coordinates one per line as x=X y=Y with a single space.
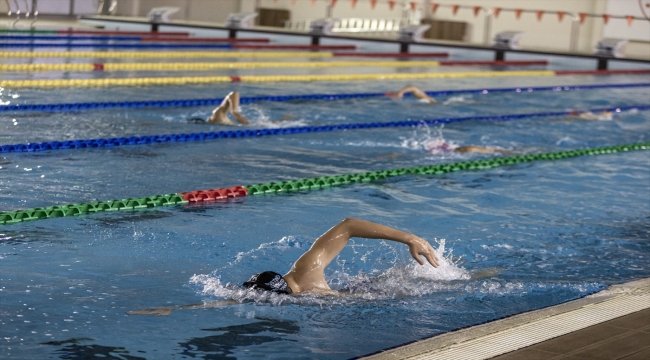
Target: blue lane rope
x=118 y=46
x=167 y=138
x=71 y=37
x=279 y=98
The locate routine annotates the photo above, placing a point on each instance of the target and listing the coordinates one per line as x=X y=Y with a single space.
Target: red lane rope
x=204 y=40
x=296 y=47
x=214 y=194
x=398 y=55
x=601 y=72
x=497 y=63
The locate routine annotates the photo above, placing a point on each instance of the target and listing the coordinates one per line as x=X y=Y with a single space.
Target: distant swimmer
x=307 y=275
x=419 y=94
x=588 y=115
x=220 y=115
x=445 y=147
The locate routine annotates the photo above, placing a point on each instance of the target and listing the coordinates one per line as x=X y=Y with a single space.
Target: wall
x=198 y=10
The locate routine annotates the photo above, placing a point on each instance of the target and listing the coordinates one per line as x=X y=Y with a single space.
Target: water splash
x=459 y=100
x=399 y=280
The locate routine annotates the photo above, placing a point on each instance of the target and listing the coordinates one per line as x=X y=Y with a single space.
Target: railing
x=353 y=25
x=28 y=10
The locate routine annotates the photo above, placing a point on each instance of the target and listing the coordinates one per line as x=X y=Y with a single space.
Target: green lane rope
x=11 y=217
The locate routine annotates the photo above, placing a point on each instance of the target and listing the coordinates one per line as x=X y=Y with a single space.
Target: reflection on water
x=221 y=346
x=73 y=350
x=129 y=217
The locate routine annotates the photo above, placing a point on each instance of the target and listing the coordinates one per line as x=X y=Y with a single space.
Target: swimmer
x=419 y=94
x=601 y=116
x=444 y=147
x=220 y=115
x=307 y=273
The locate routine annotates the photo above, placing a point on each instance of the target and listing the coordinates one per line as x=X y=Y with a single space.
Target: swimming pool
x=523 y=237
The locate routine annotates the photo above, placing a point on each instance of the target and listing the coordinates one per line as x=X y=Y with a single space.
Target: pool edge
x=491 y=339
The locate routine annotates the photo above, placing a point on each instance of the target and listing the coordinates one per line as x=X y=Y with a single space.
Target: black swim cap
x=270 y=281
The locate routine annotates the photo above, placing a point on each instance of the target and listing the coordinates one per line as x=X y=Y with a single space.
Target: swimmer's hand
x=164 y=311
x=419 y=246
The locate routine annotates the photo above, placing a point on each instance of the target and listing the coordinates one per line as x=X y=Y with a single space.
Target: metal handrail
x=352 y=25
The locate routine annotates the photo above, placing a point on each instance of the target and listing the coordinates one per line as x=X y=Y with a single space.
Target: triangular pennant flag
x=313 y=2
x=518 y=13
x=582 y=17
x=496 y=12
x=476 y=9
x=353 y=3
x=606 y=18
x=373 y=3
x=391 y=5
x=560 y=15
x=434 y=8
x=539 y=13
x=414 y=5
x=629 y=18
x=454 y=9
x=332 y=3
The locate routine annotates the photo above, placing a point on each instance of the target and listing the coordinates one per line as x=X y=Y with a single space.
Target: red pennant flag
x=476 y=9
x=414 y=5
x=496 y=12
x=434 y=8
x=313 y=2
x=332 y=3
x=539 y=13
x=518 y=13
x=293 y=2
x=454 y=9
x=391 y=5
x=606 y=18
x=353 y=3
x=582 y=17
x=560 y=15
x=373 y=3
x=629 y=18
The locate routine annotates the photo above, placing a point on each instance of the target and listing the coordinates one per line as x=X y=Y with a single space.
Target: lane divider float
x=162 y=54
x=251 y=65
x=278 y=98
x=93 y=32
x=183 y=80
x=101 y=45
x=239 y=134
x=308 y=184
x=174 y=46
x=133 y=38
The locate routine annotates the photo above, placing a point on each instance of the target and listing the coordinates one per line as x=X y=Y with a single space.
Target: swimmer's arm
x=330 y=244
x=164 y=311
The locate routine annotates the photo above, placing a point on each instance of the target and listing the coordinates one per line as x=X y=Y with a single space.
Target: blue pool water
x=514 y=238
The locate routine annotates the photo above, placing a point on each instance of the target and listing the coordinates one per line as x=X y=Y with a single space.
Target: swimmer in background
x=219 y=115
x=601 y=116
x=419 y=94
x=445 y=147
x=307 y=275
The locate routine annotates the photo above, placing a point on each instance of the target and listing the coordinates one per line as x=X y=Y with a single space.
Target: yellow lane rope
x=208 y=66
x=162 y=54
x=263 y=78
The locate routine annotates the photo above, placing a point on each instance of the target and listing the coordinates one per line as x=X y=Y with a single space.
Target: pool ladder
x=34 y=12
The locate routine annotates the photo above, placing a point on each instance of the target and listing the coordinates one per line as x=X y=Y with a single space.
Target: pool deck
x=611 y=324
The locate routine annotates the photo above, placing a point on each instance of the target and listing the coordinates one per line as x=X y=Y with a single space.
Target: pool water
x=512 y=239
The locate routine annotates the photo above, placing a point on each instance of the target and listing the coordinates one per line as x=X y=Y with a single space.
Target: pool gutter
x=502 y=336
